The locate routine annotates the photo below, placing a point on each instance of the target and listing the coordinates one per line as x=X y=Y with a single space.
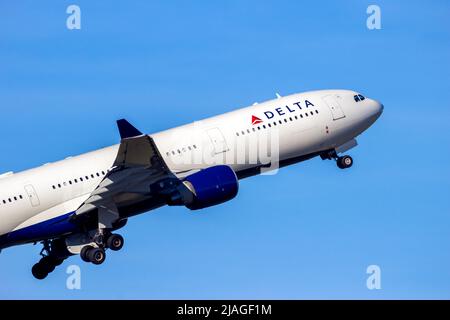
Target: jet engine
x=210 y=187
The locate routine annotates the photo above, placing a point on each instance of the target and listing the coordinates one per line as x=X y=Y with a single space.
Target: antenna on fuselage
x=278 y=95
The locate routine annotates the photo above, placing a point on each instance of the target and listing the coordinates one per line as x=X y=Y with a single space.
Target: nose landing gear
x=342 y=162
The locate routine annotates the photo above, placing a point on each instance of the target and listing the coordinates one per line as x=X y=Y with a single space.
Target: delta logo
x=295 y=107
x=256 y=120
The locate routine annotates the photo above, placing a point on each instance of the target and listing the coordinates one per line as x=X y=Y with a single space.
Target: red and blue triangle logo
x=256 y=120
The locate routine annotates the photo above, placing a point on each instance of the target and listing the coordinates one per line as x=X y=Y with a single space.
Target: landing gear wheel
x=84 y=253
x=47 y=264
x=344 y=162
x=96 y=255
x=39 y=271
x=115 y=242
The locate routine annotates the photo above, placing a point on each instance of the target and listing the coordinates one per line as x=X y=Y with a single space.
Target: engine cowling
x=211 y=186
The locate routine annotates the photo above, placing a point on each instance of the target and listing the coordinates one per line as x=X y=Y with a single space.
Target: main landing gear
x=97 y=255
x=53 y=254
x=343 y=162
x=94 y=250
x=45 y=266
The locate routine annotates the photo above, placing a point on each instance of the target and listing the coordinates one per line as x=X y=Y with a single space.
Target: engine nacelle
x=211 y=186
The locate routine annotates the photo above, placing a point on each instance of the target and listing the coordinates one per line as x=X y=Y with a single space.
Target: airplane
x=75 y=206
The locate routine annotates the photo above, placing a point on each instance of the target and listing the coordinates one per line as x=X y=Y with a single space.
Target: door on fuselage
x=218 y=140
x=334 y=106
x=32 y=195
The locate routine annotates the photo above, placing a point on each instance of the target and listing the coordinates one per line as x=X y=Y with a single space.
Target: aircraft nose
x=379 y=107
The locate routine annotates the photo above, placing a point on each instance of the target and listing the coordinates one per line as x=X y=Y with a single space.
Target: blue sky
x=308 y=232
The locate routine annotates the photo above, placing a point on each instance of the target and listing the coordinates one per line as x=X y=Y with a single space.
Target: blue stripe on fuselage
x=43 y=230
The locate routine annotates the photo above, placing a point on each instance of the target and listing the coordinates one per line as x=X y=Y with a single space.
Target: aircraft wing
x=138 y=170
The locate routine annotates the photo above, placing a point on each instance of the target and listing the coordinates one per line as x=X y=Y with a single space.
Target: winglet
x=127 y=130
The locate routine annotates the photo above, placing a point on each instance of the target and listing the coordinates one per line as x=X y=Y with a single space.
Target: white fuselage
x=302 y=124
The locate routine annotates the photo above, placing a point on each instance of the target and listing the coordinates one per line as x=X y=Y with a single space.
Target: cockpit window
x=358 y=97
